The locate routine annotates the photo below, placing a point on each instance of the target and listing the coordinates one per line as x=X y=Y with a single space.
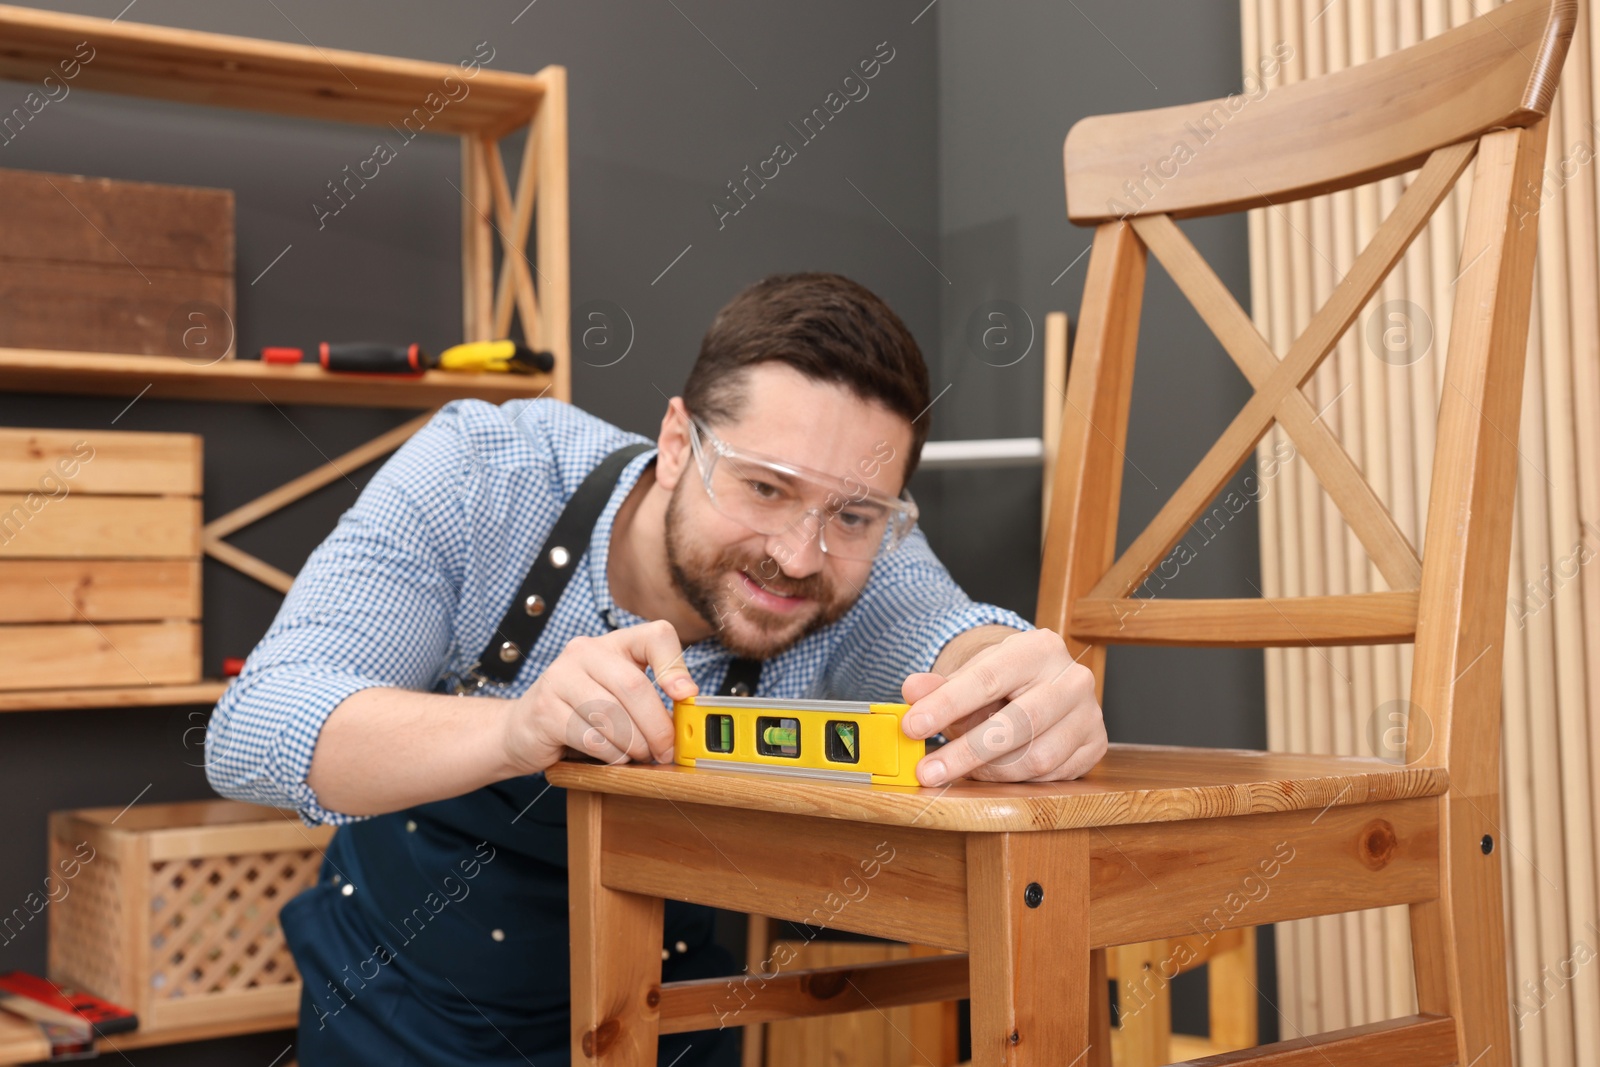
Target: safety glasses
x=773 y=497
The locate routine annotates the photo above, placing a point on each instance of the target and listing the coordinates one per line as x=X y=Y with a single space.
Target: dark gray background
x=941 y=191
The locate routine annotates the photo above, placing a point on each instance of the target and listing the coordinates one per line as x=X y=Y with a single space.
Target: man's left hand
x=1020 y=710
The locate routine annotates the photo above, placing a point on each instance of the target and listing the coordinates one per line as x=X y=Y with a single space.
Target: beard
x=744 y=627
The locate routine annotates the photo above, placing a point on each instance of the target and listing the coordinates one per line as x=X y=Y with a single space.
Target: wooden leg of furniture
x=616 y=953
x=1234 y=1004
x=1099 y=1011
x=1144 y=1003
x=758 y=939
x=935 y=1026
x=1028 y=932
x=1458 y=939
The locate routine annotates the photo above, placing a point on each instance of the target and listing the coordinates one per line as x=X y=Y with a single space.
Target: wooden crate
x=95 y=265
x=174 y=912
x=99 y=559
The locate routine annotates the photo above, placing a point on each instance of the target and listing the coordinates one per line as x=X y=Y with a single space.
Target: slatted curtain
x=1380 y=394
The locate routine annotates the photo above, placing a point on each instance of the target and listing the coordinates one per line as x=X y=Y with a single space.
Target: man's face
x=762 y=593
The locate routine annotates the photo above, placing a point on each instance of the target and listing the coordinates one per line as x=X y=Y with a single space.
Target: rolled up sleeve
x=911 y=610
x=372 y=607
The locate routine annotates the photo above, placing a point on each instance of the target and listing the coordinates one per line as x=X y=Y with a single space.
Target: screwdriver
x=496 y=356
x=370 y=357
x=374 y=357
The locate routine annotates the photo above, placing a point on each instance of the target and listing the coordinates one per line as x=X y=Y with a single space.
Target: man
x=524 y=580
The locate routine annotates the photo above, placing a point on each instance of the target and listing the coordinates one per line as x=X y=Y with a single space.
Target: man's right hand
x=596 y=699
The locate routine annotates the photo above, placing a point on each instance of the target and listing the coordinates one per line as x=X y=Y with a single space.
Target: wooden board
x=872 y=871
x=122 y=462
x=107 y=527
x=223 y=70
x=1132 y=784
x=197 y=694
x=122 y=308
x=112 y=654
x=21 y=1041
x=114 y=266
x=70 y=218
x=1450 y=89
x=1247 y=872
x=97 y=590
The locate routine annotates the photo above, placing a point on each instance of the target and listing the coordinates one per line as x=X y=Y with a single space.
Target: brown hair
x=828 y=328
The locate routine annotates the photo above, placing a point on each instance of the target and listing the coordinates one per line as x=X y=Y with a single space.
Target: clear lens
x=774 y=501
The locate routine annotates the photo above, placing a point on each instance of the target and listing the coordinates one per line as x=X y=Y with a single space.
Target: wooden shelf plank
x=142 y=696
x=205 y=1032
x=224 y=70
x=20 y=1040
x=35 y=370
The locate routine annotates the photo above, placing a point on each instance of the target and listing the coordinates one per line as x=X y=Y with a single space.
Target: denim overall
x=438 y=935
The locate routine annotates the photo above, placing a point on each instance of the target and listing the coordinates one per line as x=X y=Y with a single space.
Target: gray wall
x=940 y=189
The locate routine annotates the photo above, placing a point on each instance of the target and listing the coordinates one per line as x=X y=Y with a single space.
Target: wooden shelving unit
x=329 y=85
x=333 y=85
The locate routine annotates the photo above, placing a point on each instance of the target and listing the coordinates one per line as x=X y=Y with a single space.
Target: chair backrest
x=1479 y=91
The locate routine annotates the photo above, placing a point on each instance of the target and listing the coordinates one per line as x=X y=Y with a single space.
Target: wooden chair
x=1027 y=880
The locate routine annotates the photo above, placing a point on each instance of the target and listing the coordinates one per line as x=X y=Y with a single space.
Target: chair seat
x=1132 y=784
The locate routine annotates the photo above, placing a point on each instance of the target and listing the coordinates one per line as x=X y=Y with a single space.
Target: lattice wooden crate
x=172 y=909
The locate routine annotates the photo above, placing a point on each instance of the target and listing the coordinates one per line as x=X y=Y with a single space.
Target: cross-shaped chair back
x=1475 y=96
x=1479 y=92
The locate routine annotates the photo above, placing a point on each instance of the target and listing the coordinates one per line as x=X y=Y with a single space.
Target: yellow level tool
x=836 y=740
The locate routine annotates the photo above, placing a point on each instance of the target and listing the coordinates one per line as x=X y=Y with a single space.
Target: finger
x=656 y=645
x=971 y=722
x=1039 y=746
x=594 y=706
x=584 y=733
x=649 y=720
x=993 y=674
x=1005 y=739
x=1063 y=752
x=919 y=685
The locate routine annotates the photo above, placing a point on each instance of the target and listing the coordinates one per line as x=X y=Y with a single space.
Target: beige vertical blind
x=1380 y=394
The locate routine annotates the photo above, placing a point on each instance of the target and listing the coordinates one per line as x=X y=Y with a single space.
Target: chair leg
x=1099 y=1011
x=616 y=946
x=1028 y=944
x=935 y=1027
x=758 y=940
x=1144 y=997
x=1458 y=945
x=1234 y=1007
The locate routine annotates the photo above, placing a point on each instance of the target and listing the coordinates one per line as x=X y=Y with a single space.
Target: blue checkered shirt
x=406 y=590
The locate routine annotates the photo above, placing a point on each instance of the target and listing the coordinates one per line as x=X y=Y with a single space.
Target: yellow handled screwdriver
x=496 y=356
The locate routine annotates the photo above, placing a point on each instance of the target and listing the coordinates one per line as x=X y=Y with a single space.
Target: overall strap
x=547 y=579
x=744 y=676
